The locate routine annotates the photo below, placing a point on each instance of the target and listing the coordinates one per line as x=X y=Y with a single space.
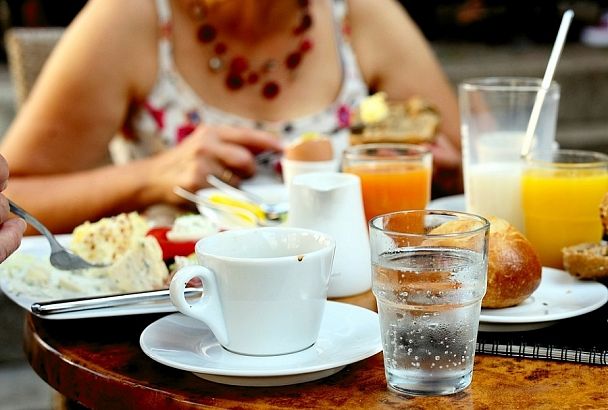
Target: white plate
x=38 y=247
x=448 y=203
x=513 y=327
x=559 y=296
x=348 y=334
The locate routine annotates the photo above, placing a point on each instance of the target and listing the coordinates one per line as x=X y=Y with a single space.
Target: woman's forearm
x=64 y=201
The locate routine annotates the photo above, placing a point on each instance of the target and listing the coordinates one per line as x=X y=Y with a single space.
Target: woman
x=202 y=86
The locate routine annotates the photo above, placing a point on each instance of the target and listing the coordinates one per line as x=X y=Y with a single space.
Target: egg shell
x=319 y=149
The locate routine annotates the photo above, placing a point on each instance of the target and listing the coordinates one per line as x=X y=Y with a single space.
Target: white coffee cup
x=265 y=289
x=291 y=168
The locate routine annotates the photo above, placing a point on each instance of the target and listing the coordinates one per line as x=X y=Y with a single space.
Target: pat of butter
x=374 y=108
x=190 y=228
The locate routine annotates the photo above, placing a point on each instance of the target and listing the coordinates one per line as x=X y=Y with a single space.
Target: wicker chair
x=27 y=49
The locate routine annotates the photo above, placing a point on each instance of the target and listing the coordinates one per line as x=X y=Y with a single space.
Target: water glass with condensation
x=429 y=277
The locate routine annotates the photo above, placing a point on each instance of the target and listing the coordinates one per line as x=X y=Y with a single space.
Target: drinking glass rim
x=414 y=151
x=596 y=160
x=520 y=84
x=485 y=223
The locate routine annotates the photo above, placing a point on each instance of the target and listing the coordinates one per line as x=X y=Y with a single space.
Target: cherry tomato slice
x=171 y=248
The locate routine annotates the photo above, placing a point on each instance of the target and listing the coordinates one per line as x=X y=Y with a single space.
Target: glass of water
x=429 y=276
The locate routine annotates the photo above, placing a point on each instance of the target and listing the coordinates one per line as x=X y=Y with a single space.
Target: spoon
x=61 y=258
x=273 y=211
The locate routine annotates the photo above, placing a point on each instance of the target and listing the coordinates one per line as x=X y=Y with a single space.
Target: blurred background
x=497 y=22
x=472 y=38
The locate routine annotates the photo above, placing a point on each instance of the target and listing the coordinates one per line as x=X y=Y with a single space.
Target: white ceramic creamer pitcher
x=331 y=202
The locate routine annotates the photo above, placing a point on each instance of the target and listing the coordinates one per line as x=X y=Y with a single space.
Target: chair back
x=27 y=49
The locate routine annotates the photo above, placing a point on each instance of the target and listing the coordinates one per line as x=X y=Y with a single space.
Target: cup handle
x=208 y=309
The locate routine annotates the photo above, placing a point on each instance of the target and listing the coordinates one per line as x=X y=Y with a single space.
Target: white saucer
x=559 y=296
x=348 y=334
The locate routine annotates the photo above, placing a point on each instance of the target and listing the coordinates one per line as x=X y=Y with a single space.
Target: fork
x=61 y=258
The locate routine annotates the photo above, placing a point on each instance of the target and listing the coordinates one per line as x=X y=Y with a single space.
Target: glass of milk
x=494 y=116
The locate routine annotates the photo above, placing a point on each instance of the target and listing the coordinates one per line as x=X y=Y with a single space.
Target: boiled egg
x=310 y=147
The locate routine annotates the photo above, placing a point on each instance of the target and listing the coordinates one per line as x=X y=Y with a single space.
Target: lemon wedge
x=230 y=201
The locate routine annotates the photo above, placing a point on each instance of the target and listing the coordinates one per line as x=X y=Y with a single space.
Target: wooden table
x=99 y=364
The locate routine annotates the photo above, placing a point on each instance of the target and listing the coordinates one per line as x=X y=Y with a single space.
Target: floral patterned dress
x=173 y=110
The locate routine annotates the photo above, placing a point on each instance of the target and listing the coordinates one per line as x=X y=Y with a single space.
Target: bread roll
x=514 y=268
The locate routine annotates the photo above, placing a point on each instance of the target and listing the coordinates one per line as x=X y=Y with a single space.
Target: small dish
x=271 y=211
x=348 y=334
x=252 y=214
x=272 y=193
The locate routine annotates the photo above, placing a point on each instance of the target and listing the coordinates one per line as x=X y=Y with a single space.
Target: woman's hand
x=227 y=152
x=447 y=167
x=11 y=229
x=445 y=154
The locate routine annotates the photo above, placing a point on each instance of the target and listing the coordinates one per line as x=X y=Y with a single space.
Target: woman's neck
x=250 y=20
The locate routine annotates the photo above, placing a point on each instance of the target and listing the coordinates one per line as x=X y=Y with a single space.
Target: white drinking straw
x=546 y=83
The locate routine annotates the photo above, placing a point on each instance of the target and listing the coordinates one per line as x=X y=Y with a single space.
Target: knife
x=108 y=301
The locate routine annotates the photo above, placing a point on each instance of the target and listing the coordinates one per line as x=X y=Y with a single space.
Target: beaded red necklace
x=238 y=70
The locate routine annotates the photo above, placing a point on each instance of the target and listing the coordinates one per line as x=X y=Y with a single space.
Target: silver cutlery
x=274 y=212
x=108 y=301
x=265 y=157
x=61 y=258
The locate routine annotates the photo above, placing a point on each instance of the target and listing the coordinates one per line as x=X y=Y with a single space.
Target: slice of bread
x=586 y=260
x=135 y=259
x=604 y=215
x=589 y=260
x=413 y=121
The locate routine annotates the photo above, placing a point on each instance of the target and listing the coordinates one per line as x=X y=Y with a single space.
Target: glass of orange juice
x=394 y=177
x=561 y=196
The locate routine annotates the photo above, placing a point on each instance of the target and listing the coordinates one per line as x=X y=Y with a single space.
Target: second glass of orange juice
x=561 y=199
x=394 y=177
